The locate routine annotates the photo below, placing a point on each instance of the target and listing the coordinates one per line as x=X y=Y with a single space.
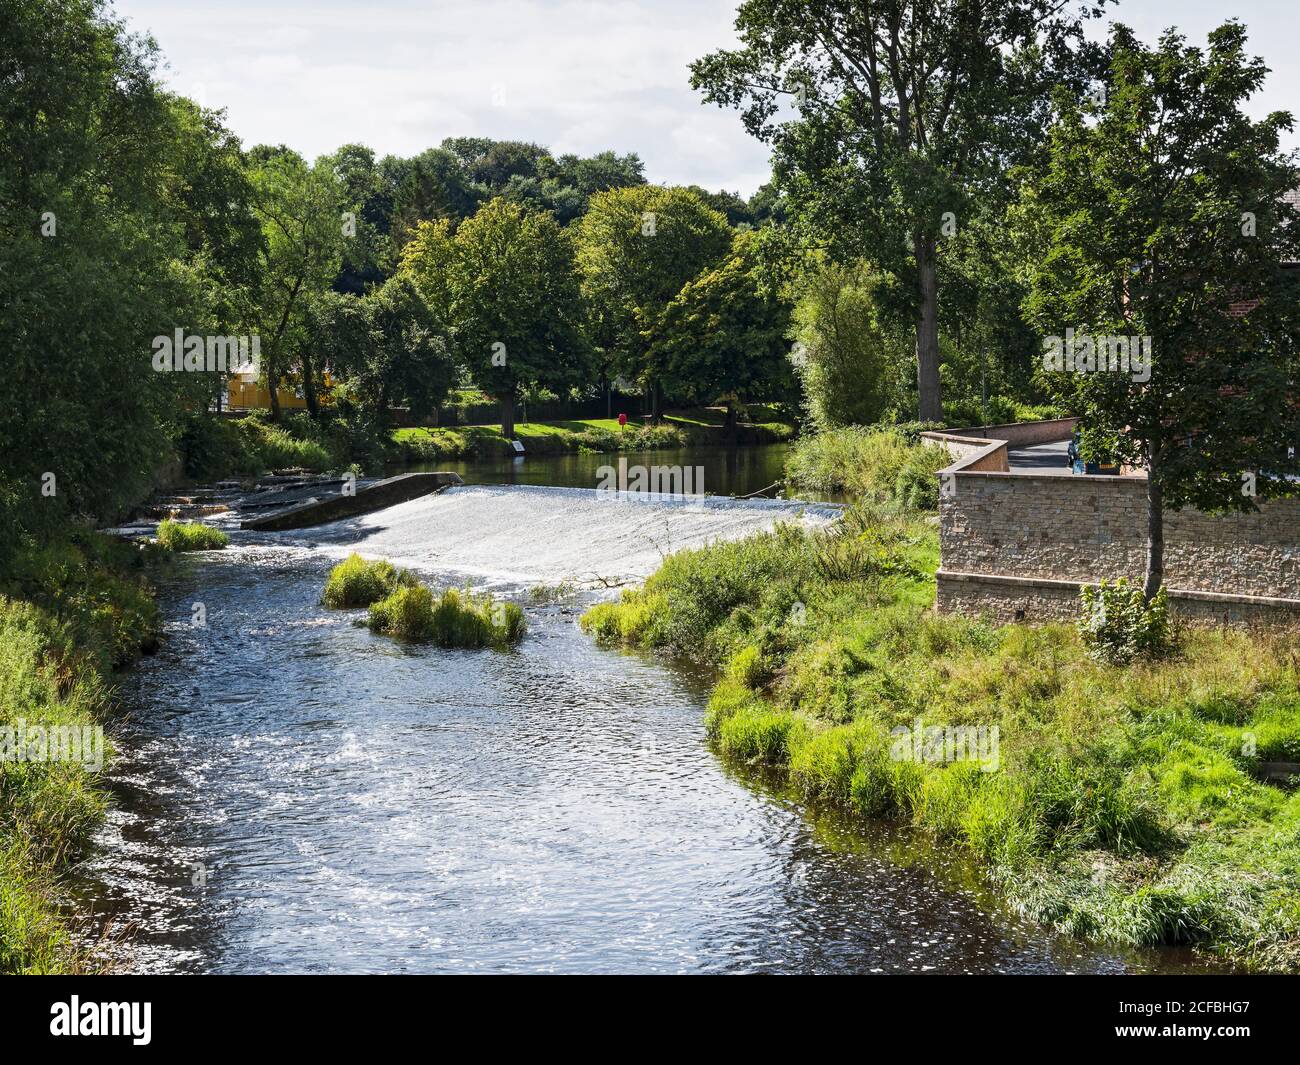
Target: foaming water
x=296 y=794
x=535 y=534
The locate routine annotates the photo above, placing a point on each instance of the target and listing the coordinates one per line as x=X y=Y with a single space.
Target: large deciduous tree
x=636 y=248
x=904 y=109
x=122 y=213
x=302 y=209
x=507 y=285
x=1160 y=213
x=724 y=334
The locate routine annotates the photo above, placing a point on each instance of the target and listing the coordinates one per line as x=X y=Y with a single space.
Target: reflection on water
x=296 y=794
x=734 y=471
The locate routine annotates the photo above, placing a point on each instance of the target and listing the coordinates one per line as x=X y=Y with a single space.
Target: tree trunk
x=272 y=383
x=657 y=405
x=508 y=414
x=1155 y=575
x=930 y=398
x=309 y=386
x=729 y=426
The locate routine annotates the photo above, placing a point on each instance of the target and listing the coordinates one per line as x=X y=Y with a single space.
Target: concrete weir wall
x=336 y=506
x=1018 y=545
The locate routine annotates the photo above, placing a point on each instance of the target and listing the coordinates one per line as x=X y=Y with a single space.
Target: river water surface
x=295 y=794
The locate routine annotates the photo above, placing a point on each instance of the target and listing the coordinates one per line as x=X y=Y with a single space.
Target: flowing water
x=296 y=794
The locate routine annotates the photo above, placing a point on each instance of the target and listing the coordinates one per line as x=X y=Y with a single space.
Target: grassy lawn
x=701 y=425
x=1123 y=803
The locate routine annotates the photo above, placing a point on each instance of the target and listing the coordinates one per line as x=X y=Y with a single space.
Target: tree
x=120 y=215
x=724 y=334
x=301 y=208
x=388 y=346
x=905 y=108
x=1157 y=221
x=508 y=286
x=637 y=247
x=844 y=354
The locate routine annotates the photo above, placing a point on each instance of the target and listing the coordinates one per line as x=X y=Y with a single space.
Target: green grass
x=69 y=613
x=695 y=426
x=190 y=536
x=360 y=582
x=1127 y=803
x=882 y=464
x=453 y=619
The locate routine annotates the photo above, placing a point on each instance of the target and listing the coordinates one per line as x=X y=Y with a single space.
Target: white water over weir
x=533 y=534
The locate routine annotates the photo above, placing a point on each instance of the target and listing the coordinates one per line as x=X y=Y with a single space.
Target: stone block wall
x=1018 y=545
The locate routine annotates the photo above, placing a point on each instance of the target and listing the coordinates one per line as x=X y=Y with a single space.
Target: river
x=295 y=794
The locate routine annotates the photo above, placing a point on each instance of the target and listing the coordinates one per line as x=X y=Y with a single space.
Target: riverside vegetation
x=402 y=607
x=1128 y=804
x=71 y=612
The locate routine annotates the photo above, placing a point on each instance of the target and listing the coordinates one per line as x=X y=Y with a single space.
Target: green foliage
x=359 y=582
x=85 y=613
x=1117 y=624
x=885 y=464
x=724 y=333
x=507 y=286
x=190 y=536
x=1150 y=216
x=454 y=619
x=301 y=208
x=636 y=249
x=850 y=365
x=1125 y=803
x=971 y=82
x=389 y=346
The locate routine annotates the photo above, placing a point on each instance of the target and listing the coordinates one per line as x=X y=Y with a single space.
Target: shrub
x=190 y=536
x=1119 y=625
x=359 y=582
x=454 y=619
x=879 y=465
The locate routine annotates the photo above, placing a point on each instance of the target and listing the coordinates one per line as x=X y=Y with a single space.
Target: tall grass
x=1128 y=801
x=190 y=536
x=453 y=619
x=81 y=613
x=359 y=582
x=883 y=464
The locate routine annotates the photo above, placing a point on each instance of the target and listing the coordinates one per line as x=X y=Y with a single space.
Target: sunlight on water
x=533 y=534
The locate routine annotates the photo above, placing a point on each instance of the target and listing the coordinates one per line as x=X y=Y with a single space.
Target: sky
x=577 y=76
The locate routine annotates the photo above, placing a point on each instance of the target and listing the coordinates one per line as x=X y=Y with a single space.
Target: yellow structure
x=248 y=391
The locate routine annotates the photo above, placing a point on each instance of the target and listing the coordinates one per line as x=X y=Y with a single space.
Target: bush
x=1118 y=625
x=358 y=582
x=455 y=619
x=190 y=536
x=888 y=464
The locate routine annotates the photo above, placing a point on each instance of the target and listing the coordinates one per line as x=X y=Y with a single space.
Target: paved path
x=1044 y=458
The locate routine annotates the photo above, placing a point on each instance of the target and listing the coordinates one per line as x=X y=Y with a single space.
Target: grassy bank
x=701 y=426
x=70 y=613
x=1126 y=803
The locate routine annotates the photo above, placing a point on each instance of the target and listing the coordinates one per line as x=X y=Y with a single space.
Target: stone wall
x=1033 y=539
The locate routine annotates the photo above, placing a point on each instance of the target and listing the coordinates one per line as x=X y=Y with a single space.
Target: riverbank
x=699 y=427
x=1123 y=804
x=71 y=612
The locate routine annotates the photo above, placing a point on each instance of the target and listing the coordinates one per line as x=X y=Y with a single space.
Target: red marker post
x=622 y=421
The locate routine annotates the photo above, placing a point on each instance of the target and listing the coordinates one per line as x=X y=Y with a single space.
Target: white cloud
x=575 y=75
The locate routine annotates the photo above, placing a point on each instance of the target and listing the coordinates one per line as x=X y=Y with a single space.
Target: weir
x=534 y=534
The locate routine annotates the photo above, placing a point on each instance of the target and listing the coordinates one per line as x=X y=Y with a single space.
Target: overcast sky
x=575 y=75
